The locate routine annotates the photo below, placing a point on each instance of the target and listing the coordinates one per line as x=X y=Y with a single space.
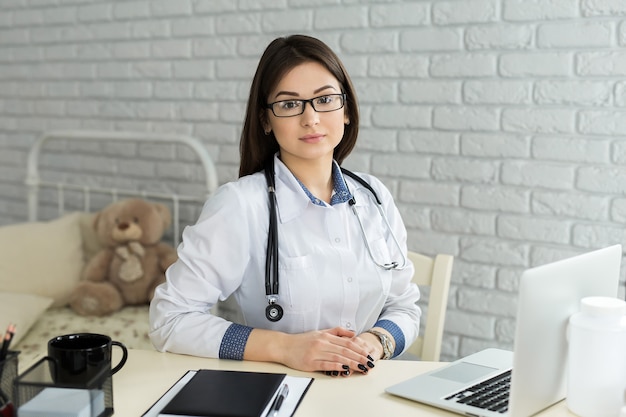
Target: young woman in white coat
x=330 y=289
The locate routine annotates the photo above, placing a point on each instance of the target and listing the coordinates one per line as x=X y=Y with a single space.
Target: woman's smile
x=312 y=138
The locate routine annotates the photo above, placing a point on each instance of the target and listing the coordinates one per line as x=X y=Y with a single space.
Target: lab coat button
x=337 y=240
x=348 y=325
x=349 y=279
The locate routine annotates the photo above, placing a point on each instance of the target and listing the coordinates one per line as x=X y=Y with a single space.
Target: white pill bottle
x=597 y=358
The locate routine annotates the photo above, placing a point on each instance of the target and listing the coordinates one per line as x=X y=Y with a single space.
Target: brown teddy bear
x=132 y=260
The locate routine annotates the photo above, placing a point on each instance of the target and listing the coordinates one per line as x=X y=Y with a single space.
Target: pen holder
x=36 y=390
x=8 y=374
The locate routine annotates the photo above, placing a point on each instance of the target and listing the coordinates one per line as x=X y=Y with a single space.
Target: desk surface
x=148 y=374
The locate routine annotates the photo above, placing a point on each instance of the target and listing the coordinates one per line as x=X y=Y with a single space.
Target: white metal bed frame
x=35 y=183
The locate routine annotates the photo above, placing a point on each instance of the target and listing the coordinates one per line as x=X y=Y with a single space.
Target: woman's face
x=311 y=135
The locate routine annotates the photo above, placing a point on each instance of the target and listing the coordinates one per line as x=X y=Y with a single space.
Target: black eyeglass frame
x=310 y=101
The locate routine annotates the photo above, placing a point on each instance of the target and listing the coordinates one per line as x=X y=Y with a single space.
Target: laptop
x=533 y=376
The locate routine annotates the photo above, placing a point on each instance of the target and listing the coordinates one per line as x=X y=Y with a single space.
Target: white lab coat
x=326 y=275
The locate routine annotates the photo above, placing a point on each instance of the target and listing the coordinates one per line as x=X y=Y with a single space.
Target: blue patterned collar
x=341 y=194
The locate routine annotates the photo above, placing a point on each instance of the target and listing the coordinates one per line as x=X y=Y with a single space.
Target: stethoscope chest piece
x=274 y=312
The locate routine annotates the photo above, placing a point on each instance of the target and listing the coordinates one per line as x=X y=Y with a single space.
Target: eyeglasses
x=321 y=104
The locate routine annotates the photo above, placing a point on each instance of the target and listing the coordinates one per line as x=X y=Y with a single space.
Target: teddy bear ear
x=165 y=214
x=95 y=220
x=101 y=237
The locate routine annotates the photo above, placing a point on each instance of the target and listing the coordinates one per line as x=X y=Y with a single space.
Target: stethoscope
x=274 y=311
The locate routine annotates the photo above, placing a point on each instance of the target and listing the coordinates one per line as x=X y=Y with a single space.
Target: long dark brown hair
x=280 y=56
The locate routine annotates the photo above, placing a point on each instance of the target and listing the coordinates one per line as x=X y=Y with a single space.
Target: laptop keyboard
x=492 y=394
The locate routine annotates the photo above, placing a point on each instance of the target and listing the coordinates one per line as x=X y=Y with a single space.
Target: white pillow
x=23 y=310
x=42 y=258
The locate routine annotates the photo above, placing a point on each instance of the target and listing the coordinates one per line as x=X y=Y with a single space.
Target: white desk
x=148 y=374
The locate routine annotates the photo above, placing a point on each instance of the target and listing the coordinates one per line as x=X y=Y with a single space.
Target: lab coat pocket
x=298 y=275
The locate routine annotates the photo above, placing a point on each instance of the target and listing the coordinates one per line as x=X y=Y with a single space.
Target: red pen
x=8 y=336
x=7 y=410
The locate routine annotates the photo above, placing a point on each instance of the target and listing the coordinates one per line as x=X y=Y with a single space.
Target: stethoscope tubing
x=387 y=266
x=273 y=311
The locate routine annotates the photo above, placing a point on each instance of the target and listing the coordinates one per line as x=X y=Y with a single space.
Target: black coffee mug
x=79 y=358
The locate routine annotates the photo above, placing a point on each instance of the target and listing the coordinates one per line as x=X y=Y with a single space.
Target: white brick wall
x=499 y=125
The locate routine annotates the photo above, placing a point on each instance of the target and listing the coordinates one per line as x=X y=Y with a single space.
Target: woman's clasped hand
x=335 y=351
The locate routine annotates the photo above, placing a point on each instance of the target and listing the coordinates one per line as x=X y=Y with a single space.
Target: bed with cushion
x=70 y=176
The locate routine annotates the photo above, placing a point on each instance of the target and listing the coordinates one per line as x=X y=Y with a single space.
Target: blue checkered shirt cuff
x=234 y=342
x=396 y=332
